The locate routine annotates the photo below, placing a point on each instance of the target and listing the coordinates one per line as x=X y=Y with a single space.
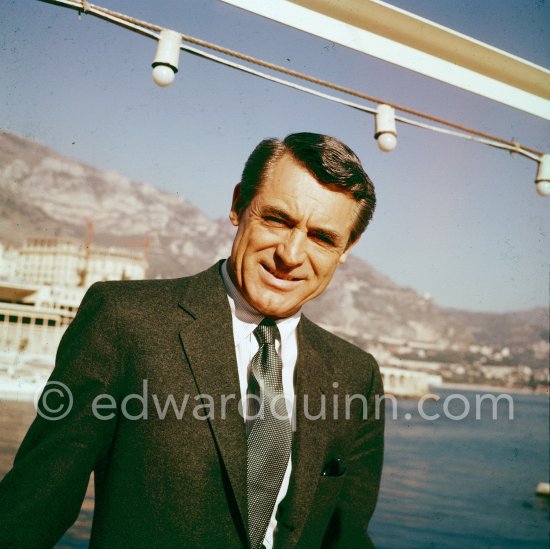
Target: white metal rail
x=397 y=36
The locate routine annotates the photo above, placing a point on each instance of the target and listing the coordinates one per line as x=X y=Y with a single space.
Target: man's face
x=290 y=239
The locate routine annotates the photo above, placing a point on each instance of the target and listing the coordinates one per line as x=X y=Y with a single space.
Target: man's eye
x=273 y=219
x=324 y=239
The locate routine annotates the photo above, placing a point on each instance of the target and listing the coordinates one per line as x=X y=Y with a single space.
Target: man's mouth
x=280 y=275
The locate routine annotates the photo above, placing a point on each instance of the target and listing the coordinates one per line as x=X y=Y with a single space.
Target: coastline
x=489 y=388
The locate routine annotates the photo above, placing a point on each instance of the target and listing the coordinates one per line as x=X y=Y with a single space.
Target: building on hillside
x=72 y=263
x=408 y=383
x=41 y=287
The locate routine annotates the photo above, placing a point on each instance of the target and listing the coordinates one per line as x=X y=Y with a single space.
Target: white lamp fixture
x=165 y=64
x=385 y=132
x=542 y=180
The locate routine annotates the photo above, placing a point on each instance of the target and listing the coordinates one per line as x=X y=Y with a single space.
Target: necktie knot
x=266 y=332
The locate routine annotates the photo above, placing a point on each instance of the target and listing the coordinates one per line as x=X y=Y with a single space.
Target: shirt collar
x=245 y=318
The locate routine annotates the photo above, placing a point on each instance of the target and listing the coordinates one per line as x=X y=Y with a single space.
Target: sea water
x=457 y=480
x=453 y=477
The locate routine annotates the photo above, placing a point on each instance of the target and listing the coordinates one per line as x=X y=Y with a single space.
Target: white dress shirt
x=245 y=321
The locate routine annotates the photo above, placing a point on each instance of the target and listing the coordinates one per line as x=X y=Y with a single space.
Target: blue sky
x=455 y=219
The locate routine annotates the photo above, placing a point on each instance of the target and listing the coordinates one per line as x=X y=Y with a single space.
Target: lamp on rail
x=542 y=181
x=385 y=132
x=165 y=64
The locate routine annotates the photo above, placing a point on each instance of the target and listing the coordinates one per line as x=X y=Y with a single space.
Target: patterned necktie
x=270 y=433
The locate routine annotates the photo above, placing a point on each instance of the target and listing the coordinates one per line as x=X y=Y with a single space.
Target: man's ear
x=344 y=256
x=234 y=214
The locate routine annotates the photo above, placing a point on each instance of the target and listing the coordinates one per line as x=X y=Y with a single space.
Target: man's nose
x=292 y=250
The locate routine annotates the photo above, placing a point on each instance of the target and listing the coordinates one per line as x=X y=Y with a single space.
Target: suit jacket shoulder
x=346 y=358
x=141 y=294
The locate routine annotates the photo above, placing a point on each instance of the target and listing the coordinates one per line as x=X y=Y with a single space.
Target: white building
x=41 y=287
x=33 y=318
x=69 y=262
x=408 y=383
x=8 y=262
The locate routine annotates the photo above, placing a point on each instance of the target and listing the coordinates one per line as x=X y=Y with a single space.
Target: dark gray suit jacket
x=181 y=481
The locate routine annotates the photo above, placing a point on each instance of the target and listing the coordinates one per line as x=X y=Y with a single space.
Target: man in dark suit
x=212 y=412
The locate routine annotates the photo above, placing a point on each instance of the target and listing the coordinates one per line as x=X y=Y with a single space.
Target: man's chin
x=274 y=309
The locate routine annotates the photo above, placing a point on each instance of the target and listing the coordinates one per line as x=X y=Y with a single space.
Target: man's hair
x=328 y=160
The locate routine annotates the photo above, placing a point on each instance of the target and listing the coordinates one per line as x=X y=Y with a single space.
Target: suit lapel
x=207 y=340
x=314 y=377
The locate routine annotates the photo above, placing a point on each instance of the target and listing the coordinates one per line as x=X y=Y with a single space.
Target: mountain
x=44 y=193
